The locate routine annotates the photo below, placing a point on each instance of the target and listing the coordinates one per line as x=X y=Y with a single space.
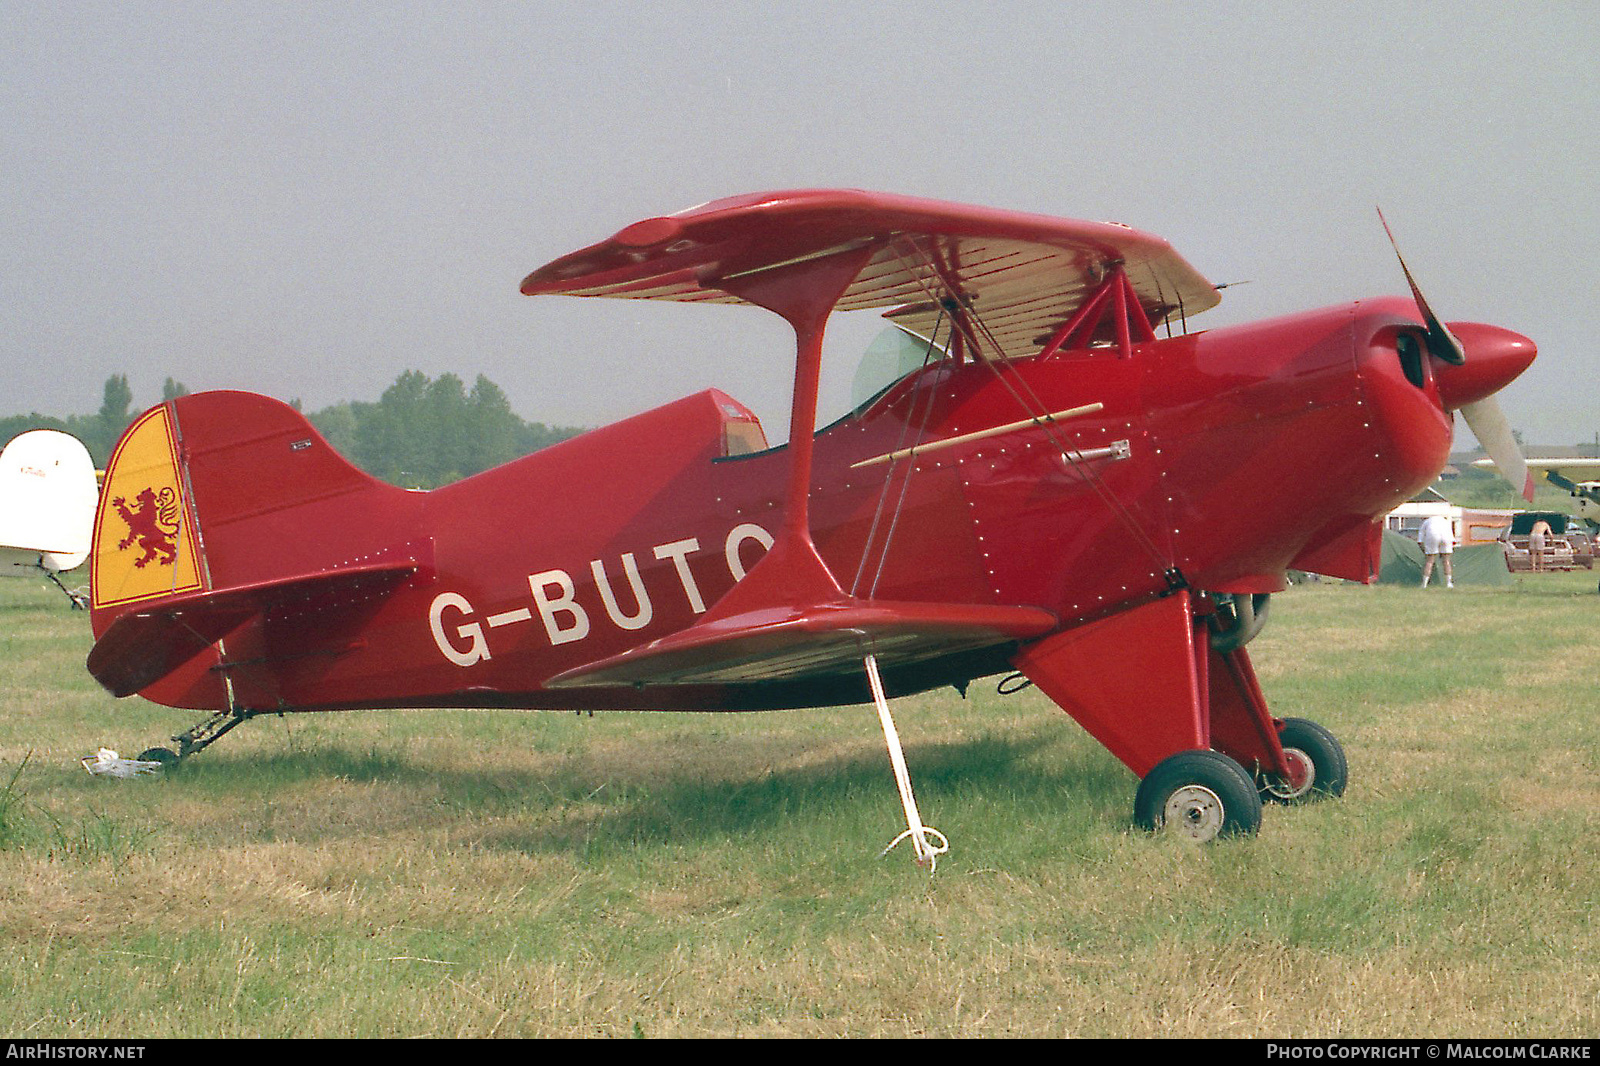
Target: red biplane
x=1054 y=488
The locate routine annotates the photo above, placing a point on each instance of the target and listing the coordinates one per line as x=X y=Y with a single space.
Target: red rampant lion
x=153 y=523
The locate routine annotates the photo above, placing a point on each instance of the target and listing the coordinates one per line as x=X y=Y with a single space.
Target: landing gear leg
x=200 y=736
x=80 y=602
x=1154 y=657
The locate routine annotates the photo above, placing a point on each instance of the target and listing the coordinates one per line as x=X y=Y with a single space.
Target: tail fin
x=217 y=506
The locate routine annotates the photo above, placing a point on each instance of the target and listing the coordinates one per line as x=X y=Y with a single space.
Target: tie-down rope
x=927 y=852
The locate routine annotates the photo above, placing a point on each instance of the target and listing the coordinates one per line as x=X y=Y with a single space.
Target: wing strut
x=804 y=293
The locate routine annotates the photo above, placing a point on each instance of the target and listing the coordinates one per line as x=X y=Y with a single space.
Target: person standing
x=1438 y=539
x=1536 y=541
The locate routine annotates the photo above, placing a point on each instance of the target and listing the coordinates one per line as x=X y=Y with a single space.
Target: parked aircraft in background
x=48 y=493
x=1561 y=472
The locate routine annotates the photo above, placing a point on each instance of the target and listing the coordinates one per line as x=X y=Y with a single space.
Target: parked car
x=1568 y=546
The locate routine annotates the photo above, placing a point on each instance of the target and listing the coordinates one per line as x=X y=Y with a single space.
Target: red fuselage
x=1248 y=451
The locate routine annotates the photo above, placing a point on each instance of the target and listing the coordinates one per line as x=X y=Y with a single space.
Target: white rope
x=927 y=852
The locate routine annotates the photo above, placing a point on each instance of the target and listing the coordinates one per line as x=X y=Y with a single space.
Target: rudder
x=144 y=545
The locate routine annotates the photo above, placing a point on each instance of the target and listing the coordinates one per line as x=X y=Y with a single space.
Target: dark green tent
x=1522 y=522
x=1400 y=563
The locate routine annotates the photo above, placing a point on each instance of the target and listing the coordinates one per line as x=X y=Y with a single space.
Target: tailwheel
x=1314 y=750
x=199 y=737
x=1198 y=795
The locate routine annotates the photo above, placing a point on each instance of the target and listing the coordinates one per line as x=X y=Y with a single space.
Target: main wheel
x=1313 y=747
x=164 y=756
x=1200 y=795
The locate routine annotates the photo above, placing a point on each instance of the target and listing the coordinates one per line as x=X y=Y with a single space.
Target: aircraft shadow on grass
x=588 y=801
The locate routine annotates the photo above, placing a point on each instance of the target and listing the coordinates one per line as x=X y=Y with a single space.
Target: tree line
x=422 y=433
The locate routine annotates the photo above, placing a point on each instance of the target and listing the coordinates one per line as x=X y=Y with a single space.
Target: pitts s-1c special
x=1050 y=487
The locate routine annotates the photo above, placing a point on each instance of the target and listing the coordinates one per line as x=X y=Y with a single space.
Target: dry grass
x=480 y=874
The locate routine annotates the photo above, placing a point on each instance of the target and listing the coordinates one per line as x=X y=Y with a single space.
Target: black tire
x=164 y=756
x=1305 y=739
x=1201 y=795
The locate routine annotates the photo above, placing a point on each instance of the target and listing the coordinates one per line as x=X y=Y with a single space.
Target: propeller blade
x=1488 y=423
x=1441 y=342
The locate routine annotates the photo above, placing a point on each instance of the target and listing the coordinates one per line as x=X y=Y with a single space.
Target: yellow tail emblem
x=143 y=546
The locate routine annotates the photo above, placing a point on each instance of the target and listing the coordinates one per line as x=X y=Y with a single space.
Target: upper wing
x=1023 y=275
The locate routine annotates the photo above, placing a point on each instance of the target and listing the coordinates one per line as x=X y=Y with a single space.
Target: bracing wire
x=883 y=492
x=1039 y=411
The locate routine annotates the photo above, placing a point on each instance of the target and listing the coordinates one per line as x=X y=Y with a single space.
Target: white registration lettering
x=565 y=603
x=565 y=619
x=640 y=618
x=678 y=551
x=506 y=618
x=736 y=538
x=477 y=648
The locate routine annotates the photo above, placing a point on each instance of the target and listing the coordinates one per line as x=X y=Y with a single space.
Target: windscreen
x=892 y=355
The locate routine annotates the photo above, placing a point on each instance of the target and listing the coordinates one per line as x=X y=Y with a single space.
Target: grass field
x=427 y=873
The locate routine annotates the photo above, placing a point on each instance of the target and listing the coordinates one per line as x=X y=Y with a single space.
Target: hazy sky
x=307 y=199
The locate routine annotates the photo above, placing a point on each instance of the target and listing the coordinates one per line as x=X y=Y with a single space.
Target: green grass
x=429 y=873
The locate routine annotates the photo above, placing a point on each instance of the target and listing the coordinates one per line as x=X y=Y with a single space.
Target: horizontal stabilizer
x=145 y=645
x=805 y=642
